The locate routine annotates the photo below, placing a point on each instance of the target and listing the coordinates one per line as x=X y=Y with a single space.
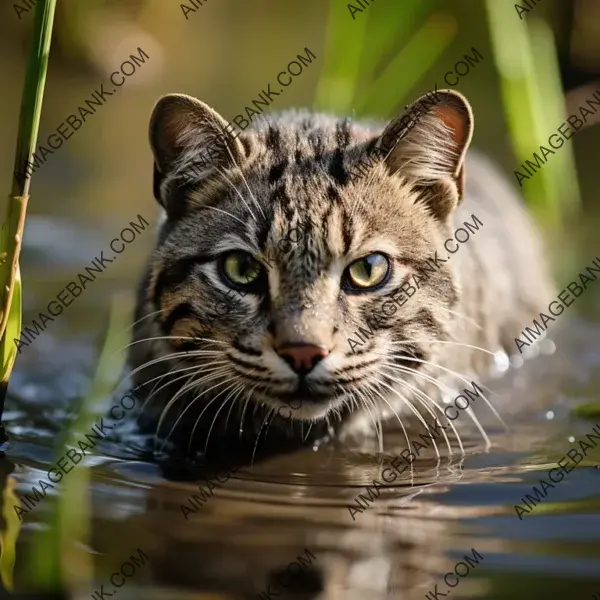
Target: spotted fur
x=297 y=170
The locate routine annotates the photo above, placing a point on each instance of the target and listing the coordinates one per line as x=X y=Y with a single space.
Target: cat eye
x=239 y=268
x=367 y=272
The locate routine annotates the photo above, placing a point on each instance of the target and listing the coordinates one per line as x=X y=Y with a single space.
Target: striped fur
x=296 y=171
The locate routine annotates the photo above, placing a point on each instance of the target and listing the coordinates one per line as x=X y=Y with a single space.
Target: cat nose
x=302 y=357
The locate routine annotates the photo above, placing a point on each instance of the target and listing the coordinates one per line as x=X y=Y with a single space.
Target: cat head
x=288 y=251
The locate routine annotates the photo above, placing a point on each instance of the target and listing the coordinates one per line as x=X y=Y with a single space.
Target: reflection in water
x=452 y=579
x=126 y=570
x=10 y=528
x=557 y=473
x=299 y=577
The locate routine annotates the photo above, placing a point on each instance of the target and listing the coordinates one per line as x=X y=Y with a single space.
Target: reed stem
x=29 y=122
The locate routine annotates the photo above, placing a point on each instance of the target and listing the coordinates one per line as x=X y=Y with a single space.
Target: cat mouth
x=307 y=404
x=297 y=399
x=304 y=393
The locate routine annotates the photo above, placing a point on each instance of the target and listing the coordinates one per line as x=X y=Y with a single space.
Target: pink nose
x=302 y=357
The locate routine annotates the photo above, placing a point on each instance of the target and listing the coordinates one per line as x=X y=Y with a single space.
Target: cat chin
x=307 y=411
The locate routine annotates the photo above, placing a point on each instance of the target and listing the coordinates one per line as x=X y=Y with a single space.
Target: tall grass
x=10 y=249
x=533 y=99
x=59 y=559
x=9 y=533
x=12 y=230
x=363 y=70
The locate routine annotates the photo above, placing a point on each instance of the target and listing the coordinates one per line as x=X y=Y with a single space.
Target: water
x=259 y=520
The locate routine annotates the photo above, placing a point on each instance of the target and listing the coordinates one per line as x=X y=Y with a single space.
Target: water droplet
x=547 y=347
x=501 y=361
x=516 y=361
x=447 y=398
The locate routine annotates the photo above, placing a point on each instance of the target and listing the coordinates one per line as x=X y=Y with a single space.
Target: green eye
x=368 y=271
x=240 y=268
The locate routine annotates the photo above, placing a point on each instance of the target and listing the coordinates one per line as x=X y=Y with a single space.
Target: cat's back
x=503 y=263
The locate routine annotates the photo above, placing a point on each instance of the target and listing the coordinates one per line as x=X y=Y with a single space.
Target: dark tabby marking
x=286 y=337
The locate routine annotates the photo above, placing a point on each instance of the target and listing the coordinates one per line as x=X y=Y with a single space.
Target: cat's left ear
x=190 y=142
x=427 y=144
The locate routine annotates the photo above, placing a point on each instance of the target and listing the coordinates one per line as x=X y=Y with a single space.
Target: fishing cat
x=285 y=354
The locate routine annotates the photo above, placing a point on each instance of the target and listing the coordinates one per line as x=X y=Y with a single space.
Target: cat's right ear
x=190 y=142
x=428 y=143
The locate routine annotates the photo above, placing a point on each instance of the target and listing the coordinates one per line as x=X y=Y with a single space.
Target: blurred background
x=537 y=67
x=370 y=62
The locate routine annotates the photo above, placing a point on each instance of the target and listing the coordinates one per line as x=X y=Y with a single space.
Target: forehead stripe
x=336 y=168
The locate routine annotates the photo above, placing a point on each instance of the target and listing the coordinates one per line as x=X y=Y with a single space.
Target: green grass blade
x=393 y=85
x=389 y=25
x=58 y=559
x=342 y=59
x=533 y=100
x=10 y=250
x=8 y=348
x=33 y=94
x=587 y=411
x=562 y=174
x=29 y=121
x=9 y=534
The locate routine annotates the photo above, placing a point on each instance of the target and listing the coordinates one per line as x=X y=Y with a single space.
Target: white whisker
x=258 y=436
x=403 y=430
x=198 y=370
x=376 y=422
x=423 y=403
x=241 y=172
x=424 y=376
x=453 y=312
x=222 y=173
x=156 y=312
x=469 y=409
x=181 y=393
x=223 y=405
x=413 y=409
x=195 y=384
x=197 y=397
x=241 y=390
x=404 y=342
x=224 y=212
x=494 y=411
x=408 y=371
x=426 y=362
x=175 y=356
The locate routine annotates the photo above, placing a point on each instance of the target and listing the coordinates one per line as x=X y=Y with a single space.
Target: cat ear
x=190 y=141
x=427 y=144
